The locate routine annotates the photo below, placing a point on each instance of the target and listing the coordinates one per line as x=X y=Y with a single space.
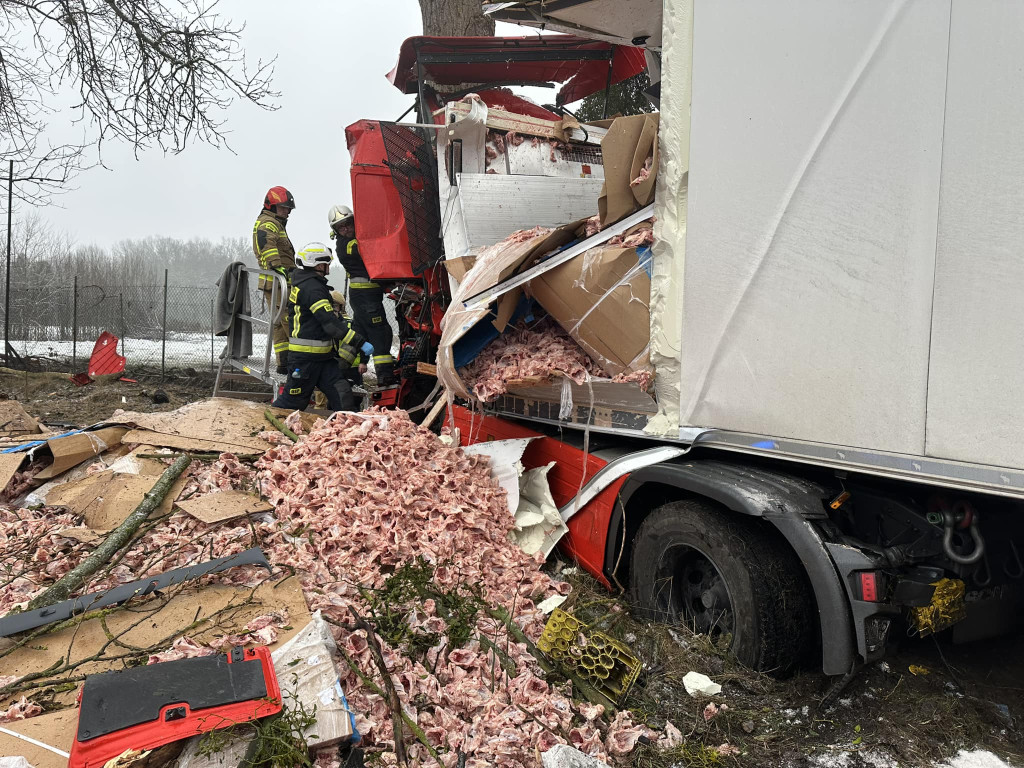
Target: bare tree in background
x=146 y=72
x=455 y=18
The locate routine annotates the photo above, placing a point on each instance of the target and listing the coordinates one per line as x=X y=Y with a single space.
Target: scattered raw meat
x=22 y=482
x=645 y=172
x=641 y=236
x=514 y=139
x=554 y=145
x=369 y=492
x=294 y=423
x=274 y=437
x=498 y=140
x=592 y=226
x=490 y=153
x=32 y=553
x=542 y=351
x=20 y=710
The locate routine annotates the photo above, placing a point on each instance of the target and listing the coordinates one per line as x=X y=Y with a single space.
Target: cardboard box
x=629 y=142
x=601 y=299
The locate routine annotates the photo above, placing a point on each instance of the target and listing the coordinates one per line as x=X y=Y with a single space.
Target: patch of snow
x=978 y=758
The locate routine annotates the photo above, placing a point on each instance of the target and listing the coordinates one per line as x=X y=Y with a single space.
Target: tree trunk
x=455 y=18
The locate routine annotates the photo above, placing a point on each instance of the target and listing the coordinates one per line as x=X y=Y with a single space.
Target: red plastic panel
x=105 y=360
x=380 y=223
x=96 y=752
x=588 y=529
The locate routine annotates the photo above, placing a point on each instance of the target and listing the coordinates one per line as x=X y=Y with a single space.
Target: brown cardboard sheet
x=203 y=614
x=105 y=499
x=629 y=142
x=16 y=421
x=9 y=464
x=225 y=505
x=72 y=450
x=218 y=424
x=56 y=730
x=601 y=299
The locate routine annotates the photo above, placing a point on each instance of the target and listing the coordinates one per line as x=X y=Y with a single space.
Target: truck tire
x=720 y=574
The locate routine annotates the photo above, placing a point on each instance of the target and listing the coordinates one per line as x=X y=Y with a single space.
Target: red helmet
x=278 y=196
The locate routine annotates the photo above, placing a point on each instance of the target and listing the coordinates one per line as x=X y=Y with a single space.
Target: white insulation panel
x=495 y=206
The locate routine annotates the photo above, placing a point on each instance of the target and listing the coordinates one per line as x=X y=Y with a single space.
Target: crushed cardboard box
x=601 y=299
x=628 y=144
x=10 y=463
x=72 y=450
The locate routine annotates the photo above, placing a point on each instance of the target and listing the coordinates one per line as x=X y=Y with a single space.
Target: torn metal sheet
x=483 y=299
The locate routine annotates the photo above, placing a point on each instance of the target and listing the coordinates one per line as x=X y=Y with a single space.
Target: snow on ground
x=976 y=759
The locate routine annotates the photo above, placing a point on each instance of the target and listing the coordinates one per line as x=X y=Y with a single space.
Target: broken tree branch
x=389 y=686
x=117 y=539
x=280 y=426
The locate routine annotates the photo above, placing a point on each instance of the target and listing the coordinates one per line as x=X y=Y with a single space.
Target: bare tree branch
x=150 y=73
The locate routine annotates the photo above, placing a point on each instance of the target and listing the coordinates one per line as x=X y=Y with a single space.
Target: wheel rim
x=691 y=590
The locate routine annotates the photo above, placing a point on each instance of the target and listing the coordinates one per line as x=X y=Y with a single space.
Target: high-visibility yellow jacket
x=272 y=247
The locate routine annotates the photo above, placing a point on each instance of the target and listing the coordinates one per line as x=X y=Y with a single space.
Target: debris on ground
x=399 y=544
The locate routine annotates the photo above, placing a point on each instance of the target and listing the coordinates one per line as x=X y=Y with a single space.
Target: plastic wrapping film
x=670 y=207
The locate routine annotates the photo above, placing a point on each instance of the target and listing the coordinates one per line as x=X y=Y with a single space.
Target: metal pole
x=124 y=331
x=607 y=88
x=74 y=328
x=212 y=303
x=163 y=343
x=7 y=288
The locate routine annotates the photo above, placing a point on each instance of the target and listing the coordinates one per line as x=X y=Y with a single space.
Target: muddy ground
x=962 y=697
x=54 y=399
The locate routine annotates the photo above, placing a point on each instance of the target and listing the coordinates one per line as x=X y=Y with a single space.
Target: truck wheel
x=718 y=574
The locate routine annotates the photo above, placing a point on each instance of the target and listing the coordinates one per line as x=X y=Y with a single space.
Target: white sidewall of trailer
x=670 y=213
x=975 y=410
x=815 y=160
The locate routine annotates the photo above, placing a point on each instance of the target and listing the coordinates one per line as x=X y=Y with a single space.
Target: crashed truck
x=828 y=455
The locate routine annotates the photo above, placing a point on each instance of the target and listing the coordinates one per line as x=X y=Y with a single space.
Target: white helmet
x=339 y=214
x=313 y=255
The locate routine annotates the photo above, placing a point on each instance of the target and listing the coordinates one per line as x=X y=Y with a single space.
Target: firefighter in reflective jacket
x=274 y=252
x=312 y=362
x=366 y=298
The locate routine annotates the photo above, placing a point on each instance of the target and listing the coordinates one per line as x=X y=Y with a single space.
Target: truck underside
x=801 y=566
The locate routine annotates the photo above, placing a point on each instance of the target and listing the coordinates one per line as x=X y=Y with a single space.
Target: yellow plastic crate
x=597 y=658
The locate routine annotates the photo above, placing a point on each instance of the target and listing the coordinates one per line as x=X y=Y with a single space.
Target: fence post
x=74 y=327
x=212 y=303
x=163 y=335
x=124 y=330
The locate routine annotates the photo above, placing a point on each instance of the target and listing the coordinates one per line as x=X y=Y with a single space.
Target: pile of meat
x=542 y=351
x=636 y=237
x=358 y=497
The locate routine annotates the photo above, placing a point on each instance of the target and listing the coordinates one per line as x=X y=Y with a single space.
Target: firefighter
x=365 y=296
x=352 y=371
x=315 y=328
x=274 y=252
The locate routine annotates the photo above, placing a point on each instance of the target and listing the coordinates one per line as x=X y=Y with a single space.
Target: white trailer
x=836 y=292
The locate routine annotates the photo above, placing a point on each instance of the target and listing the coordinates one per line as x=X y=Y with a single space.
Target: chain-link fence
x=164 y=330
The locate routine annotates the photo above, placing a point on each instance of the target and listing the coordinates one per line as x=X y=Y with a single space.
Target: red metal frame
x=587 y=539
x=96 y=752
x=559 y=59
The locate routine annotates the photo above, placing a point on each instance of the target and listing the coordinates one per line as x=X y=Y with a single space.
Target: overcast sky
x=332 y=60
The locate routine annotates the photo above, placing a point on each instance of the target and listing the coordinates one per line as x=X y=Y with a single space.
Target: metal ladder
x=278 y=289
